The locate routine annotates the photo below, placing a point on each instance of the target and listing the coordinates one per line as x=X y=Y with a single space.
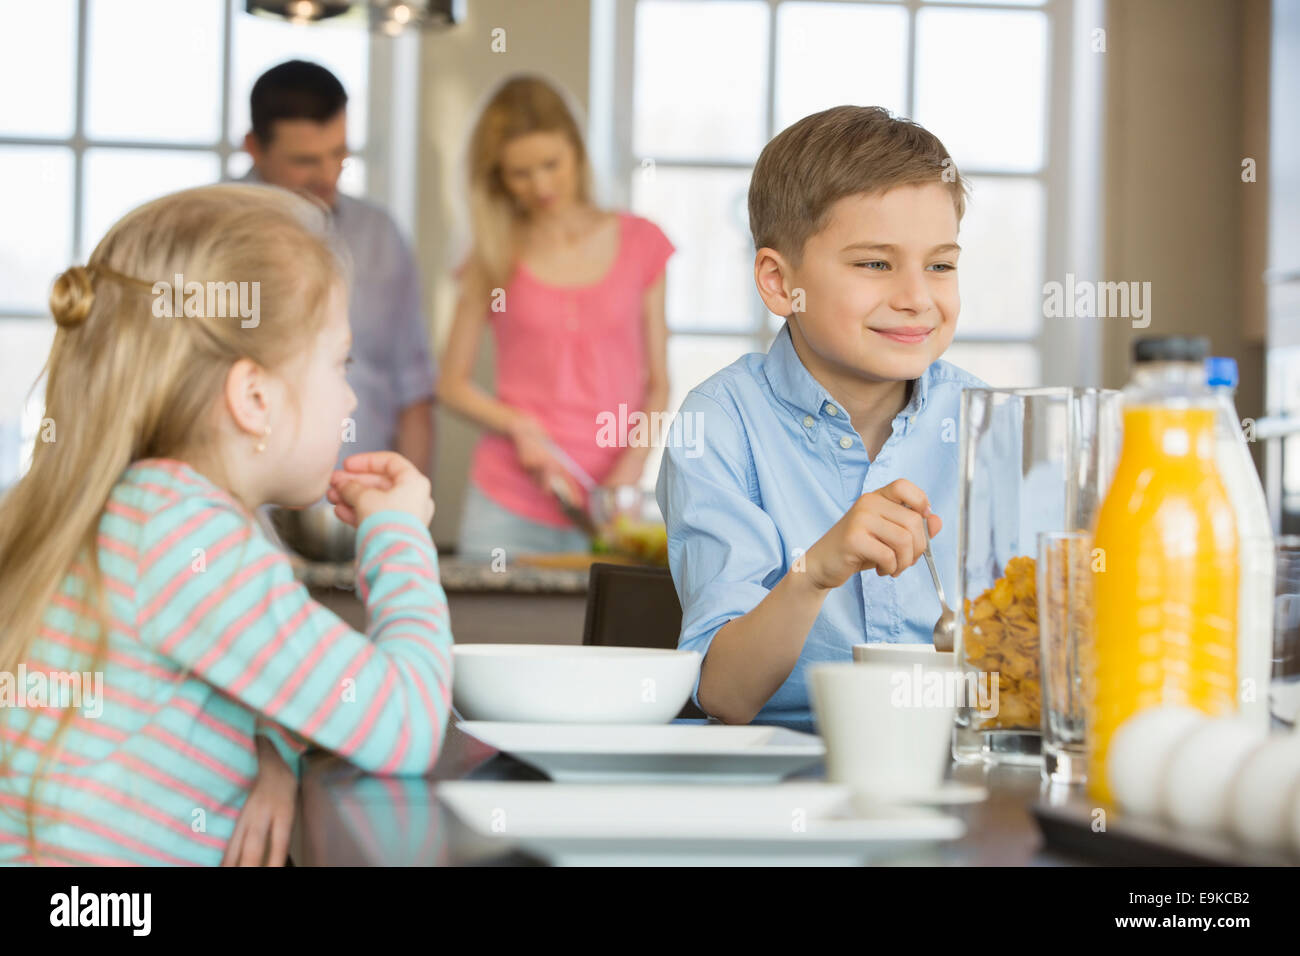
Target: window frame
x=1068 y=349
x=390 y=174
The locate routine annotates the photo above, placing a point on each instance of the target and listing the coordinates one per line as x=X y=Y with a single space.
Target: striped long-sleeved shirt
x=214 y=641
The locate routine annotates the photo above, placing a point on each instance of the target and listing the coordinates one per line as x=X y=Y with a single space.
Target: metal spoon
x=945 y=629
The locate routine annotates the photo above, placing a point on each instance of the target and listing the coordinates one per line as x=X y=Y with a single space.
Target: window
x=702 y=85
x=117 y=102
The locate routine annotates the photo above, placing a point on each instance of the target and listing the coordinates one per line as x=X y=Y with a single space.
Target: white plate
x=628 y=825
x=950 y=792
x=665 y=753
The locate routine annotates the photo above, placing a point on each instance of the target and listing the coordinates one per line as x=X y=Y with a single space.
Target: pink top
x=564 y=354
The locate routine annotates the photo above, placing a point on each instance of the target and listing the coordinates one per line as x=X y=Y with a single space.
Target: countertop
x=349 y=818
x=457 y=575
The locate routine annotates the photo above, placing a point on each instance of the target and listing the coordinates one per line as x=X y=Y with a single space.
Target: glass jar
x=1032 y=460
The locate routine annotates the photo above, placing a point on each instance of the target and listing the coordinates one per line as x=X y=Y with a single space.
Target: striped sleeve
x=287 y=744
x=221 y=601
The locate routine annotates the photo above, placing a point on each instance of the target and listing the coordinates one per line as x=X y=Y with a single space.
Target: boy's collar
x=793 y=383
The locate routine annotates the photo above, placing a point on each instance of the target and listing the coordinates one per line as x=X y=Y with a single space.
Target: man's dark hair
x=295 y=89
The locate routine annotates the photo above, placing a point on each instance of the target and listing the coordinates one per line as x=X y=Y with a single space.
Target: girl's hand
x=261 y=836
x=379 y=481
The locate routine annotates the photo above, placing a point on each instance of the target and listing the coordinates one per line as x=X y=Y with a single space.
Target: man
x=299 y=142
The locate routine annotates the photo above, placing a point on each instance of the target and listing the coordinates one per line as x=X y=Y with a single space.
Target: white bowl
x=572 y=684
x=907 y=654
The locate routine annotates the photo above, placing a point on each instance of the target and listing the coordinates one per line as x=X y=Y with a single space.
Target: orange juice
x=1166 y=602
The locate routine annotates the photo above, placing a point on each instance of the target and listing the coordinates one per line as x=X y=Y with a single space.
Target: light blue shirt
x=391 y=363
x=760 y=462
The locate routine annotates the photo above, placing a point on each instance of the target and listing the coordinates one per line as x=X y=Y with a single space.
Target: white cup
x=887 y=725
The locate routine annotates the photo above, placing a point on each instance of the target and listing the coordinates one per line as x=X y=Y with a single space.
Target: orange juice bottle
x=1166 y=601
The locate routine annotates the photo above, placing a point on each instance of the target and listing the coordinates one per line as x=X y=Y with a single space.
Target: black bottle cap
x=1171 y=348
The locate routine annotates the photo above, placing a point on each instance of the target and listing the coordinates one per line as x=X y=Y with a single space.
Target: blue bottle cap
x=1221 y=370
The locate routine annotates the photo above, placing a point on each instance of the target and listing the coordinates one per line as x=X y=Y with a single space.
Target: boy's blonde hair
x=521 y=105
x=124 y=383
x=842 y=151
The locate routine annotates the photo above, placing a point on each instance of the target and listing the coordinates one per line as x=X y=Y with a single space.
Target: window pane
x=261 y=42
x=37 y=40
x=36 y=241
x=118 y=180
x=704 y=213
x=1001 y=366
x=981 y=85
x=860 y=52
x=1019 y=3
x=153 y=68
x=701 y=79
x=353 y=178
x=692 y=359
x=1001 y=264
x=26 y=347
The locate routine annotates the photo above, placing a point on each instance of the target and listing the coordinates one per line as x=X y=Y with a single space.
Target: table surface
x=349 y=818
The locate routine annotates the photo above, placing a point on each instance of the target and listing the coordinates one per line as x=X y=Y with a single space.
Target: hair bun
x=71 y=297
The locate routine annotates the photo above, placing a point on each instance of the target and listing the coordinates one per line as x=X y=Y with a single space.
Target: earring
x=261 y=446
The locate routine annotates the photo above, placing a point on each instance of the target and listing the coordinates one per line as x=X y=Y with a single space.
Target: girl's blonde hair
x=125 y=381
x=521 y=105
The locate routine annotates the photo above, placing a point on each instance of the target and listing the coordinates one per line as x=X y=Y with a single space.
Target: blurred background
x=1110 y=141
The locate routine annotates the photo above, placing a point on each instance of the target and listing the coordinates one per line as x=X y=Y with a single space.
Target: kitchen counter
x=521 y=604
x=457 y=575
x=349 y=818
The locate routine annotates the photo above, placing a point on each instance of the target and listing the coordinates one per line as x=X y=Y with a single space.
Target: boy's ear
x=772 y=276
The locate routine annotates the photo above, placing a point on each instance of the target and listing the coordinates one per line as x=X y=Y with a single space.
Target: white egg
x=1260 y=796
x=1138 y=752
x=1201 y=768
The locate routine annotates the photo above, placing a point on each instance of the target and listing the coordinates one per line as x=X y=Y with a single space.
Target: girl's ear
x=247 y=396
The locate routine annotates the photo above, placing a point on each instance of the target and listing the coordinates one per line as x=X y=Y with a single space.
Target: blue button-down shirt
x=760 y=462
x=391 y=363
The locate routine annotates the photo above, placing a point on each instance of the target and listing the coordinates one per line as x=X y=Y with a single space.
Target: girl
x=130 y=557
x=575 y=296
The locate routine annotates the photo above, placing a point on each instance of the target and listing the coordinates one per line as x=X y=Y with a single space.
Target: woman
x=574 y=295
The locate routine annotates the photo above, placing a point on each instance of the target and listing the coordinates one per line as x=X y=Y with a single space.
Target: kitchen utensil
x=572 y=684
x=945 y=629
x=887 y=732
x=316 y=533
x=611 y=824
x=653 y=753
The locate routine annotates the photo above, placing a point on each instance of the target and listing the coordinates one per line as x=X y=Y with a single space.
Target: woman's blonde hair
x=126 y=381
x=521 y=105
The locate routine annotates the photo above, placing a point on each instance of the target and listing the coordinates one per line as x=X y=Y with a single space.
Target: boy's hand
x=880 y=532
x=261 y=836
x=379 y=481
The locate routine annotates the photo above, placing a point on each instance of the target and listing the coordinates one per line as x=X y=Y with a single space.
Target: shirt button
x=911 y=420
x=831 y=409
x=846 y=442
x=807 y=421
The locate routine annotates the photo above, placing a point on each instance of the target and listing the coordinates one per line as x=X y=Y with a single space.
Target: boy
x=817 y=460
